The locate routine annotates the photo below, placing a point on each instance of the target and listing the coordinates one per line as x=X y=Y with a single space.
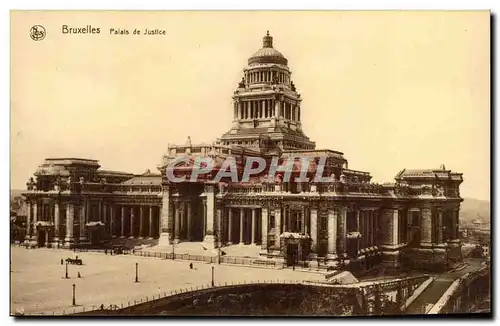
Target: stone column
x=177 y=224
x=242 y=215
x=57 y=223
x=165 y=222
x=342 y=229
x=28 y=222
x=395 y=227
x=83 y=209
x=440 y=227
x=183 y=217
x=358 y=212
x=132 y=222
x=70 y=215
x=111 y=220
x=277 y=217
x=151 y=228
x=218 y=228
x=105 y=217
x=314 y=230
x=372 y=228
x=456 y=220
x=189 y=221
x=229 y=225
x=141 y=222
x=122 y=226
x=35 y=217
x=264 y=226
x=332 y=232
x=303 y=221
x=100 y=214
x=426 y=225
x=209 y=239
x=254 y=214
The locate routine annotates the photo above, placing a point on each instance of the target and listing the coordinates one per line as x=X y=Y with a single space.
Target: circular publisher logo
x=37 y=32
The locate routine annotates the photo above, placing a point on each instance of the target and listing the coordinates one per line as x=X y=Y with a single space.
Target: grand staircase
x=429 y=296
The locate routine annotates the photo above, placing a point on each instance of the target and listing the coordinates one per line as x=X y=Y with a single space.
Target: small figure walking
x=62 y=261
x=190 y=265
x=79 y=275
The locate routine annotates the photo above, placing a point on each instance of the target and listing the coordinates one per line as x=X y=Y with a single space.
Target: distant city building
x=346 y=221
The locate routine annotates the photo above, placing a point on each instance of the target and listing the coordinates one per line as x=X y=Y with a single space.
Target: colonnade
x=266 y=76
x=242 y=225
x=70 y=222
x=265 y=109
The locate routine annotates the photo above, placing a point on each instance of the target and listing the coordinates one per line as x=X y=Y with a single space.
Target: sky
x=391 y=90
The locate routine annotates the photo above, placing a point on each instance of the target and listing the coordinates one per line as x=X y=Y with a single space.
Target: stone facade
x=346 y=220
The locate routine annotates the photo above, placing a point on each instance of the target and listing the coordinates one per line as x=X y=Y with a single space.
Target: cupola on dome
x=267 y=54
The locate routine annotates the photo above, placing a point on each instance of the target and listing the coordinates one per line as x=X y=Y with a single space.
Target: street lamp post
x=136 y=272
x=74 y=300
x=213 y=268
x=66 y=276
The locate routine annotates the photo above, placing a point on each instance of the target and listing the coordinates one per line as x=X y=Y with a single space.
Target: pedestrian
x=105 y=251
x=190 y=265
x=78 y=275
x=62 y=261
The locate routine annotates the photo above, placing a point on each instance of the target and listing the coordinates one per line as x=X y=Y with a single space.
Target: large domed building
x=346 y=221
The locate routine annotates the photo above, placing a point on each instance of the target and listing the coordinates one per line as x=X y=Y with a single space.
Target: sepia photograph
x=250 y=163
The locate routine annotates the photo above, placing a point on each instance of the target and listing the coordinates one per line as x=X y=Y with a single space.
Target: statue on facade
x=57 y=184
x=292 y=86
x=242 y=83
x=343 y=178
x=30 y=184
x=221 y=187
x=426 y=190
x=439 y=191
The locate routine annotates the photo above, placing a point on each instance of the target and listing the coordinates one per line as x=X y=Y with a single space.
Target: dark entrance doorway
x=292 y=253
x=42 y=237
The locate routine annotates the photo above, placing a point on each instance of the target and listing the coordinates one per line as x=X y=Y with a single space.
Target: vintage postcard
x=250 y=163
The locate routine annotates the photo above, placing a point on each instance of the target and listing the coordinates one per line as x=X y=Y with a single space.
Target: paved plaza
x=38 y=284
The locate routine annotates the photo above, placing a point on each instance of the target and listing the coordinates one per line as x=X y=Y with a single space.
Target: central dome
x=267 y=54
